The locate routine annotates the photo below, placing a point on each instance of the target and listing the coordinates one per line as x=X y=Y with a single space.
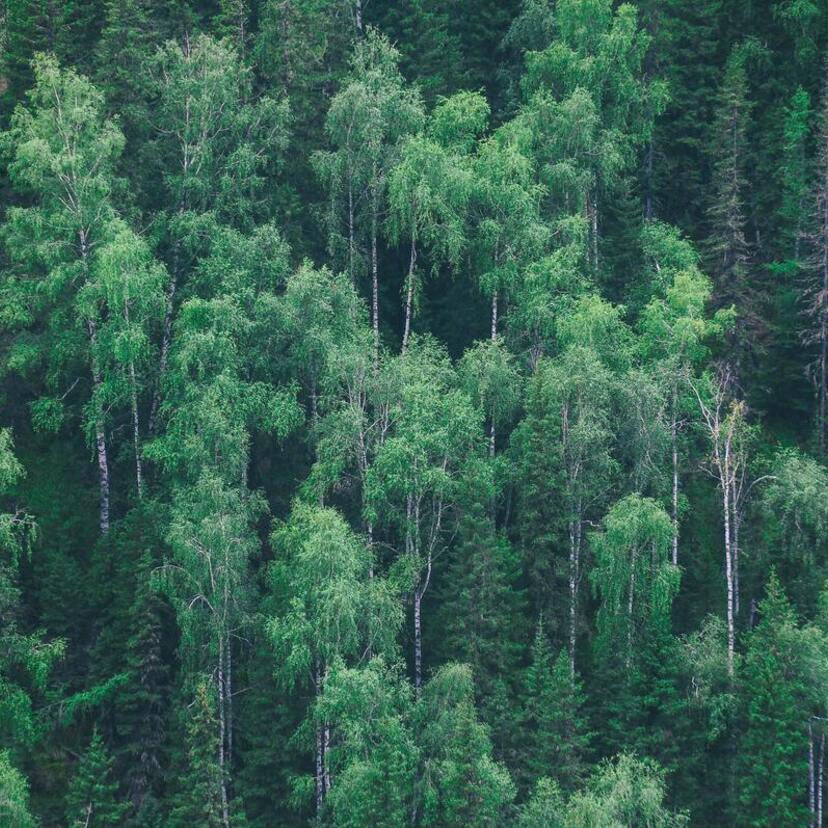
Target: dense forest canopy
x=413 y=413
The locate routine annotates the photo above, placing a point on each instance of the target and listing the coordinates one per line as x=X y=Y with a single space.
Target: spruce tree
x=554 y=725
x=93 y=799
x=773 y=768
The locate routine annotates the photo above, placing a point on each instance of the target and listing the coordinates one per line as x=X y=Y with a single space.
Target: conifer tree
x=773 y=771
x=553 y=721
x=93 y=798
x=729 y=248
x=816 y=296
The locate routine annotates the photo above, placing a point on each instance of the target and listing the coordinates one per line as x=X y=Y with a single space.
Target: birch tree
x=723 y=421
x=411 y=486
x=64 y=152
x=368 y=118
x=332 y=614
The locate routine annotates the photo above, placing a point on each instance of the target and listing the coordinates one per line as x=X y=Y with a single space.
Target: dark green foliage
x=415 y=399
x=93 y=798
x=555 y=731
x=775 y=734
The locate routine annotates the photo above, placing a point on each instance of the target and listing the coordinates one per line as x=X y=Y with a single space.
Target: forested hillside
x=413 y=413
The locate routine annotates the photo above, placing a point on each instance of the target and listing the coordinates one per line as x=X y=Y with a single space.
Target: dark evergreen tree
x=93 y=799
x=773 y=768
x=555 y=732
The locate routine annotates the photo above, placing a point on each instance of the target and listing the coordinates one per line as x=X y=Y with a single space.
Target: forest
x=413 y=414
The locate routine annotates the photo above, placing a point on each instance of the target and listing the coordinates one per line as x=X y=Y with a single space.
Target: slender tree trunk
x=351 y=241
x=418 y=642
x=320 y=764
x=136 y=431
x=326 y=749
x=726 y=512
x=735 y=526
x=593 y=220
x=409 y=293
x=494 y=317
x=228 y=695
x=375 y=283
x=811 y=776
x=100 y=433
x=573 y=596
x=360 y=26
x=100 y=439
x=823 y=347
x=820 y=779
x=631 y=607
x=225 y=810
x=674 y=441
x=166 y=338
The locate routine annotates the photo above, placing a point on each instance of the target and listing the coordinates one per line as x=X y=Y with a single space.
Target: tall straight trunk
x=820 y=779
x=409 y=291
x=630 y=608
x=166 y=338
x=811 y=776
x=320 y=763
x=103 y=462
x=351 y=241
x=648 y=180
x=573 y=595
x=136 y=424
x=225 y=809
x=326 y=749
x=674 y=452
x=493 y=336
x=228 y=695
x=735 y=527
x=418 y=642
x=823 y=347
x=97 y=382
x=360 y=26
x=375 y=282
x=592 y=212
x=100 y=438
x=726 y=512
x=136 y=431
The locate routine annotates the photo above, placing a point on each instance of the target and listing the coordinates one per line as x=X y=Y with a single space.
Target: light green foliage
x=626 y=791
x=367 y=120
x=375 y=757
x=590 y=102
x=14 y=796
x=633 y=576
x=216 y=138
x=433 y=430
x=64 y=151
x=330 y=608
